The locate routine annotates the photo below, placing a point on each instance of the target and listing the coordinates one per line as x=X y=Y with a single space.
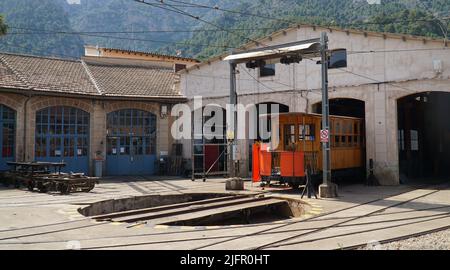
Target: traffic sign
x=324 y=135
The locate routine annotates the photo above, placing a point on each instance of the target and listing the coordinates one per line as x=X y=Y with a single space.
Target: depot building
x=399 y=84
x=112 y=105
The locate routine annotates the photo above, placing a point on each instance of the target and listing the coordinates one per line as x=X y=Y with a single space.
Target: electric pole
x=231 y=132
x=327 y=189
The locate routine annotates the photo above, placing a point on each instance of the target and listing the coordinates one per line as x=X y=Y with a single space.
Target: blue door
x=7 y=135
x=62 y=135
x=131 y=143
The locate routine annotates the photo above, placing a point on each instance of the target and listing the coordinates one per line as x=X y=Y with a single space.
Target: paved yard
x=361 y=215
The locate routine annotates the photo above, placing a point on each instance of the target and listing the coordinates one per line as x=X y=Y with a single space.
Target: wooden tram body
x=298 y=146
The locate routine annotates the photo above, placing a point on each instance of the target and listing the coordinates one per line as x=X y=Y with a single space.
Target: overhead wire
x=182 y=12
x=121 y=38
x=297 y=22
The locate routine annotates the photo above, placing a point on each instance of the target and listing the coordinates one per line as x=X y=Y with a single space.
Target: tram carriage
x=297 y=149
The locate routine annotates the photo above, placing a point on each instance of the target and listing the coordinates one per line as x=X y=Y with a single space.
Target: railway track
x=279 y=242
x=338 y=219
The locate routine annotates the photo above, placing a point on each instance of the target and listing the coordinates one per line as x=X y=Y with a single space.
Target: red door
x=211 y=155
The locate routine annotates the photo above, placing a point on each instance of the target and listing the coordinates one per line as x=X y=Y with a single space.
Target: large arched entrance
x=210 y=143
x=7 y=135
x=62 y=134
x=344 y=107
x=347 y=138
x=131 y=142
x=424 y=136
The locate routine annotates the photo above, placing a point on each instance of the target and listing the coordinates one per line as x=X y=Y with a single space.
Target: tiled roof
x=47 y=74
x=132 y=78
x=98 y=77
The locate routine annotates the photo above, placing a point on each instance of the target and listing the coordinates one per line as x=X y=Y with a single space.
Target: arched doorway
x=343 y=107
x=131 y=142
x=7 y=135
x=346 y=137
x=62 y=134
x=424 y=136
x=210 y=150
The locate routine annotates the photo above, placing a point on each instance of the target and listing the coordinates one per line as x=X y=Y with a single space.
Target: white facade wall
x=384 y=78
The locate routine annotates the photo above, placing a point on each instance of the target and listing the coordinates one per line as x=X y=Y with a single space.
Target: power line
x=235 y=12
x=120 y=38
x=258 y=81
x=297 y=22
x=182 y=12
x=144 y=31
x=440 y=23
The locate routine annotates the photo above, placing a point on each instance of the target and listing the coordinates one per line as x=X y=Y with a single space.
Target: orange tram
x=299 y=148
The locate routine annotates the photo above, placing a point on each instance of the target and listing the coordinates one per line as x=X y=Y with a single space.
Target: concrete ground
x=361 y=215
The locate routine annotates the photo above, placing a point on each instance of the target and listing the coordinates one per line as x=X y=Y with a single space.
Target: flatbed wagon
x=47 y=177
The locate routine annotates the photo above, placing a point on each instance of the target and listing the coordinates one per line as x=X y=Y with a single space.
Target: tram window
x=343 y=141
x=350 y=140
x=355 y=141
x=338 y=128
x=337 y=140
x=308 y=131
x=349 y=127
x=289 y=135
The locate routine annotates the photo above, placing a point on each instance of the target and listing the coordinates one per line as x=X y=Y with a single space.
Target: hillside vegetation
x=54 y=27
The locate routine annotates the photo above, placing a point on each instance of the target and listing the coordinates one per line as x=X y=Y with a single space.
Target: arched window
x=7 y=135
x=62 y=134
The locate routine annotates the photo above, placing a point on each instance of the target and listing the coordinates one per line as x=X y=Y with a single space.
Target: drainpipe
x=25 y=120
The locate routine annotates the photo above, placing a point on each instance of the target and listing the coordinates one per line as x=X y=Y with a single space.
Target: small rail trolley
x=47 y=177
x=297 y=148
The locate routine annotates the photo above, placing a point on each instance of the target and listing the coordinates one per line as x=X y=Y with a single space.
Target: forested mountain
x=43 y=14
x=55 y=27
x=397 y=16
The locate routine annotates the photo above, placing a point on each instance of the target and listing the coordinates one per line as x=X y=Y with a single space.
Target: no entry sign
x=324 y=135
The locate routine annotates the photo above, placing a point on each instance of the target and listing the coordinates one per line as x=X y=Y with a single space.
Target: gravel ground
x=433 y=241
